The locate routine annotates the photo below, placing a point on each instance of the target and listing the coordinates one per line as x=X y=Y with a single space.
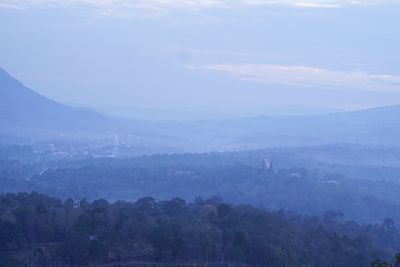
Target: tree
x=397 y=260
x=378 y=263
x=11 y=236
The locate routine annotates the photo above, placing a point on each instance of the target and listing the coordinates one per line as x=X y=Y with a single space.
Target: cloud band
x=310 y=76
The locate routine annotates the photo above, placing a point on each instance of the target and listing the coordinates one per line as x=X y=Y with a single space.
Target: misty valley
x=269 y=207
x=199 y=133
x=79 y=188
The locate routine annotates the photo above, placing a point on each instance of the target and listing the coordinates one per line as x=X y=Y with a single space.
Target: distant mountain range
x=378 y=126
x=190 y=115
x=28 y=116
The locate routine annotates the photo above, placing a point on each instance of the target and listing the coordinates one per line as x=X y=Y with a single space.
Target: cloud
x=111 y=6
x=139 y=4
x=316 y=5
x=309 y=76
x=117 y=8
x=94 y=9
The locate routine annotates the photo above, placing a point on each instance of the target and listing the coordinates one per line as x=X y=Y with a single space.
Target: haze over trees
x=326 y=205
x=27 y=116
x=199 y=133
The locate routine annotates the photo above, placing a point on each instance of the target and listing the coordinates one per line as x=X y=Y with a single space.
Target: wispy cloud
x=317 y=5
x=117 y=8
x=109 y=6
x=309 y=76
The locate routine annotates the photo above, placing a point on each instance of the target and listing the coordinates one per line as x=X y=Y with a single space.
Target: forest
x=199 y=133
x=38 y=230
x=308 y=180
x=271 y=207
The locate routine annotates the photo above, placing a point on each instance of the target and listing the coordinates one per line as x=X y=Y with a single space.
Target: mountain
x=25 y=113
x=377 y=126
x=28 y=116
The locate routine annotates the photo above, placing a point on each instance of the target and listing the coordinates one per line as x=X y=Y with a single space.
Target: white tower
x=267 y=164
x=115 y=150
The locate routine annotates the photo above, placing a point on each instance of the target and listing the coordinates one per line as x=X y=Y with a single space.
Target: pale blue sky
x=209 y=55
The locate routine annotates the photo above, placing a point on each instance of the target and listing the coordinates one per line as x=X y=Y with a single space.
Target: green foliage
x=361 y=182
x=378 y=263
x=43 y=231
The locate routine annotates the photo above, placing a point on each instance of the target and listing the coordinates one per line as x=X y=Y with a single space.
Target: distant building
x=295 y=175
x=115 y=150
x=77 y=203
x=52 y=148
x=327 y=182
x=268 y=164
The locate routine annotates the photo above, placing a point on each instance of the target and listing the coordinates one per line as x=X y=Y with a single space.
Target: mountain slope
x=378 y=126
x=371 y=126
x=24 y=112
x=27 y=115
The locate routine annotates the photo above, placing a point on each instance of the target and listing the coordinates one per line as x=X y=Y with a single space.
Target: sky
x=218 y=56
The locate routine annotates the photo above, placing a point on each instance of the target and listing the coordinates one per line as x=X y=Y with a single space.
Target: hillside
x=25 y=113
x=377 y=126
x=28 y=116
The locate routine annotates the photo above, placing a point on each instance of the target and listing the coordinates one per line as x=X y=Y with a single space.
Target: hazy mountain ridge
x=28 y=115
x=24 y=112
x=379 y=126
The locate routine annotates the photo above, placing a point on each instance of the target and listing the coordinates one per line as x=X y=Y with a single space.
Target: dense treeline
x=37 y=230
x=299 y=190
x=364 y=189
